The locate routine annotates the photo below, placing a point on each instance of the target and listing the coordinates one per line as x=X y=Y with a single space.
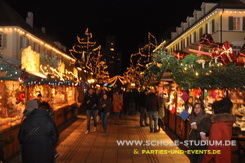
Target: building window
x=25 y=42
x=213 y=26
x=180 y=45
x=237 y=24
x=209 y=28
x=206 y=28
x=195 y=36
x=203 y=10
x=200 y=33
x=1 y=40
x=185 y=42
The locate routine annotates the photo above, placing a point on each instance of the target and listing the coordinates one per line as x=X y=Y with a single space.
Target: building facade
x=113 y=57
x=224 y=20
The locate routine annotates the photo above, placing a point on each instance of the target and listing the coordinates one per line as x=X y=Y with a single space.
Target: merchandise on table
x=12 y=103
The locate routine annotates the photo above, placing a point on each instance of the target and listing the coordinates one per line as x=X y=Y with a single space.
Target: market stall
x=51 y=76
x=208 y=73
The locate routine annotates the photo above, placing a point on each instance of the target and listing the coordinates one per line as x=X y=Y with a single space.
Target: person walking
x=105 y=108
x=126 y=100
x=221 y=130
x=38 y=136
x=143 y=112
x=152 y=107
x=117 y=106
x=200 y=123
x=91 y=102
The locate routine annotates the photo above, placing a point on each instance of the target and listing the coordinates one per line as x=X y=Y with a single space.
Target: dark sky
x=128 y=20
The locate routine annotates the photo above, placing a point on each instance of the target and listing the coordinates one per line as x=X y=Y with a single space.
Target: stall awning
x=38 y=74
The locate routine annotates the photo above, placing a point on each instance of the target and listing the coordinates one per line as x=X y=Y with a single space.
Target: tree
x=139 y=60
x=88 y=56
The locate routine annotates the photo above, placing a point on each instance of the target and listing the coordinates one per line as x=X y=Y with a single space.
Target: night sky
x=128 y=20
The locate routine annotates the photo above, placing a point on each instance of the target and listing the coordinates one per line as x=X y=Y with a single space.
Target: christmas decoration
x=89 y=58
x=180 y=55
x=226 y=53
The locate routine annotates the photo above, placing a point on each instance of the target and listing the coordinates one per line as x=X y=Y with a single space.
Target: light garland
x=198 y=23
x=32 y=37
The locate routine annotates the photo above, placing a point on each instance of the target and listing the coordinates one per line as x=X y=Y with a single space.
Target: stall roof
x=9 y=17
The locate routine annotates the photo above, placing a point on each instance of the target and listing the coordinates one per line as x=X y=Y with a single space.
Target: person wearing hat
x=31 y=105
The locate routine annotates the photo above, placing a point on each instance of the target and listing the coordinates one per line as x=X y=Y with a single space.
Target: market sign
x=30 y=61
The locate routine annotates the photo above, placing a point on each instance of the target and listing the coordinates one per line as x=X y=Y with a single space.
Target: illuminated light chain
x=91 y=55
x=186 y=32
x=22 y=32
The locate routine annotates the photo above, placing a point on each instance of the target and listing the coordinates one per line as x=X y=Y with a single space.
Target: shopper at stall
x=152 y=107
x=117 y=106
x=91 y=102
x=161 y=113
x=105 y=108
x=200 y=123
x=221 y=130
x=38 y=136
x=143 y=112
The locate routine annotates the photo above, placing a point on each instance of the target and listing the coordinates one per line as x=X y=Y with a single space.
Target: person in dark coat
x=126 y=99
x=38 y=136
x=200 y=123
x=105 y=107
x=91 y=102
x=221 y=130
x=143 y=112
x=152 y=107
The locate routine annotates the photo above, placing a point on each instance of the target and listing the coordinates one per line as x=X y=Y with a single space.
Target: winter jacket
x=161 y=112
x=117 y=102
x=220 y=130
x=38 y=136
x=142 y=99
x=93 y=101
x=108 y=106
x=203 y=123
x=152 y=102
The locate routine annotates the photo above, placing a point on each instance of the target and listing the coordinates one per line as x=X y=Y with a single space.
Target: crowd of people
x=38 y=133
x=151 y=105
x=102 y=103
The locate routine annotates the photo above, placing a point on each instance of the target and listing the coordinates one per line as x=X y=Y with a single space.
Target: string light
x=30 y=36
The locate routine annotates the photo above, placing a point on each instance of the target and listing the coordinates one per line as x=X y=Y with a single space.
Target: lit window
x=237 y=24
x=112 y=49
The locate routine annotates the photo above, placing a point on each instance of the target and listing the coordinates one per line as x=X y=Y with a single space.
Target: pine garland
x=188 y=73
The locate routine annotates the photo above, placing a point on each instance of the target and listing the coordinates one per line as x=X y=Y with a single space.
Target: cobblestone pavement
x=76 y=147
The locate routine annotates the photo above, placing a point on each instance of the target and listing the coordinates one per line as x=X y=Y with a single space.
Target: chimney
x=29 y=19
x=43 y=29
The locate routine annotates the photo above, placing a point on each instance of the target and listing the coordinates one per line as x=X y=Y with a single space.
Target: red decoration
x=21 y=98
x=214 y=93
x=206 y=39
x=227 y=54
x=180 y=55
x=172 y=109
x=216 y=50
x=185 y=96
x=197 y=92
x=240 y=61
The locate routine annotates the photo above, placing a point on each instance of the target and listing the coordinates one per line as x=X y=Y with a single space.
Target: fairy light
x=30 y=36
x=178 y=39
